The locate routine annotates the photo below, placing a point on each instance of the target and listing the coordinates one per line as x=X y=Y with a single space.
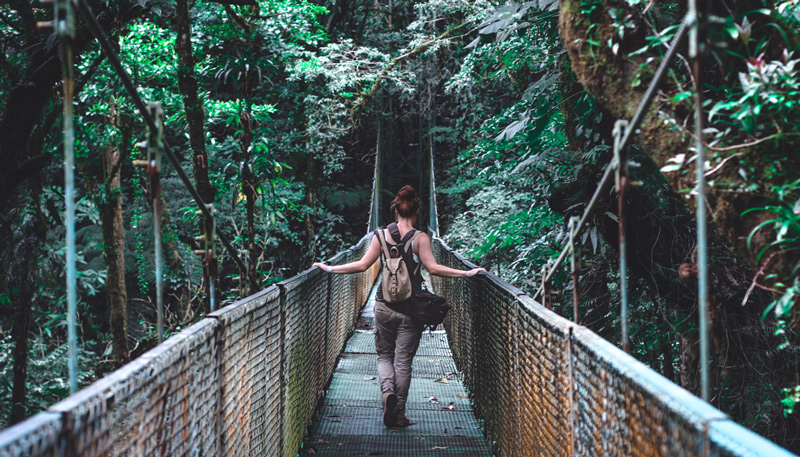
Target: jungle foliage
x=521 y=99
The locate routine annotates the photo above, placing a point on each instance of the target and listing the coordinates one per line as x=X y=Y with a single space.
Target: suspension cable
x=97 y=31
x=621 y=160
x=64 y=23
x=637 y=119
x=695 y=53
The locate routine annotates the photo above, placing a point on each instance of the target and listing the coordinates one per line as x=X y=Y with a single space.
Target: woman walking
x=397 y=335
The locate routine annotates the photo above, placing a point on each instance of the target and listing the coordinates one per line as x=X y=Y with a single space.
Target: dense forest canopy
x=276 y=109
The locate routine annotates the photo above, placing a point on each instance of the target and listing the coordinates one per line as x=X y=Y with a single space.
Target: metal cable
x=638 y=116
x=97 y=31
x=64 y=22
x=700 y=173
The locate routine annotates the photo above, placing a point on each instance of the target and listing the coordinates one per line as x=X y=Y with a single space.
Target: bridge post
x=282 y=372
x=152 y=164
x=574 y=265
x=696 y=49
x=621 y=181
x=64 y=24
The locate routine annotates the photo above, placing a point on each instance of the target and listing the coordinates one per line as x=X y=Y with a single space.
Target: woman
x=397 y=335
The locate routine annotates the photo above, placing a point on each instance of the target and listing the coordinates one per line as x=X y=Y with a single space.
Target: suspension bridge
x=291 y=369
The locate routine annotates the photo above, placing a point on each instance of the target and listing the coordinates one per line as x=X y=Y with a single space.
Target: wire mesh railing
x=546 y=386
x=247 y=379
x=243 y=381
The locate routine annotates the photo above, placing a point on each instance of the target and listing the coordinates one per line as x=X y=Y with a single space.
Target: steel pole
x=700 y=191
x=64 y=22
x=621 y=165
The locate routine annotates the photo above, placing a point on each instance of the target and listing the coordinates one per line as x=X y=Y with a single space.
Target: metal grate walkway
x=349 y=422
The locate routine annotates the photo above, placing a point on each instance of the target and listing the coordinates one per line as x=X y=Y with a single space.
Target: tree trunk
x=613 y=82
x=114 y=247
x=19 y=282
x=19 y=333
x=187 y=84
x=690 y=362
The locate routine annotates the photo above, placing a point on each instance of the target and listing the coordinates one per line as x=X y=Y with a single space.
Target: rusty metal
x=541 y=384
x=152 y=166
x=571 y=392
x=208 y=249
x=214 y=388
x=546 y=269
x=621 y=183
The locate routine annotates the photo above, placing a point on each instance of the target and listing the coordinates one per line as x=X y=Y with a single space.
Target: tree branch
x=412 y=53
x=236 y=18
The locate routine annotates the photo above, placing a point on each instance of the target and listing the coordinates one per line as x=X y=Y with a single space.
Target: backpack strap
x=406 y=251
x=395 y=232
x=384 y=244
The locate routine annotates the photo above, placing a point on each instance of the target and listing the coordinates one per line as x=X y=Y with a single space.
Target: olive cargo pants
x=396 y=341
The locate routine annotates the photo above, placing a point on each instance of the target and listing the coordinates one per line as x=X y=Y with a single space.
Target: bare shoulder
x=421 y=242
x=421 y=237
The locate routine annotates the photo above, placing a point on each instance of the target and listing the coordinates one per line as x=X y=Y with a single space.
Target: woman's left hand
x=475 y=271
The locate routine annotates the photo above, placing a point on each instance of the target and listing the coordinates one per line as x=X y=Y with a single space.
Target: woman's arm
x=425 y=254
x=355 y=267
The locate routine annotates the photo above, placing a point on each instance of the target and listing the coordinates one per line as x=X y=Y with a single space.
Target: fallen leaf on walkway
x=369 y=378
x=433 y=400
x=463 y=397
x=450 y=406
x=321 y=441
x=445 y=431
x=311 y=451
x=442 y=380
x=439 y=447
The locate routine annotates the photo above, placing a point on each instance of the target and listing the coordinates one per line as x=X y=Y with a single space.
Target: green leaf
x=681 y=96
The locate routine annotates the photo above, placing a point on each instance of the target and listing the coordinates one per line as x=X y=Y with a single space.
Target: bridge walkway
x=349 y=421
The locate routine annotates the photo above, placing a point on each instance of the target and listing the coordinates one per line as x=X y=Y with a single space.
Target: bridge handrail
x=544 y=385
x=245 y=380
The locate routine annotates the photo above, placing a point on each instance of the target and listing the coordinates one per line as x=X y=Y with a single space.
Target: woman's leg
x=385 y=334
x=408 y=336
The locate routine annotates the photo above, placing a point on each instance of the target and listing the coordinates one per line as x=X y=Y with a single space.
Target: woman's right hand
x=475 y=271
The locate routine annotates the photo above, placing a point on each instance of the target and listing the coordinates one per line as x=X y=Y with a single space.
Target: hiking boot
x=403 y=421
x=389 y=411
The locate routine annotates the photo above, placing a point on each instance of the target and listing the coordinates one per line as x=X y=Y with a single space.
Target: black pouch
x=428 y=308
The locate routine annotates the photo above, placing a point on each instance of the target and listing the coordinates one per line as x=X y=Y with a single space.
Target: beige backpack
x=395 y=275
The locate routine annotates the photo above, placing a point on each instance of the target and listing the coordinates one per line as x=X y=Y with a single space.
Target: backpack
x=424 y=306
x=395 y=277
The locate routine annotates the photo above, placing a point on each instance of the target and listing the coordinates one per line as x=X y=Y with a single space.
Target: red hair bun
x=406 y=203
